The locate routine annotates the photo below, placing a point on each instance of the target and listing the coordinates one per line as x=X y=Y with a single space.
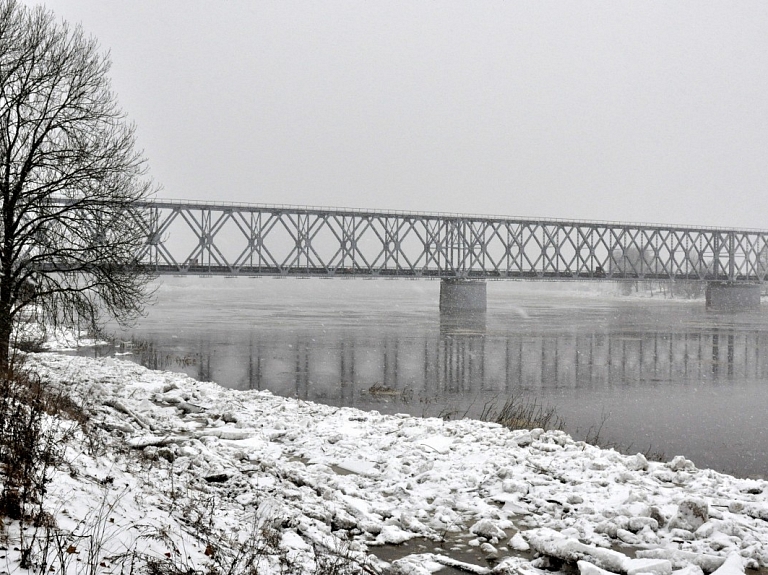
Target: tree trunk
x=6 y=326
x=6 y=297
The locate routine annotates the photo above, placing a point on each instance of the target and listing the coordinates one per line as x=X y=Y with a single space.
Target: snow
x=285 y=476
x=733 y=565
x=53 y=339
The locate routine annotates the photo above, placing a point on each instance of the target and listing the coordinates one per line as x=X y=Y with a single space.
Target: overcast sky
x=616 y=110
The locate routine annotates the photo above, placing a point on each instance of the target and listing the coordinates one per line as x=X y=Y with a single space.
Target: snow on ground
x=53 y=339
x=188 y=469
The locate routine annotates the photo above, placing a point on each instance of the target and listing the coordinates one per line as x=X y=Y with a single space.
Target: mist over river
x=653 y=372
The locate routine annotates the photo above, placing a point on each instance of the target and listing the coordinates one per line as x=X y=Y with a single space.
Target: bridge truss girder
x=253 y=240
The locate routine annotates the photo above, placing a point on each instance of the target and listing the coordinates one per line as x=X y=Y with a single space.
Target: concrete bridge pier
x=727 y=296
x=462 y=296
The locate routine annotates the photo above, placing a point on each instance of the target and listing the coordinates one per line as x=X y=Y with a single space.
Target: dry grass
x=521 y=413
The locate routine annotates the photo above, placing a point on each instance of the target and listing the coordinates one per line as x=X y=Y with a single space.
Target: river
x=648 y=373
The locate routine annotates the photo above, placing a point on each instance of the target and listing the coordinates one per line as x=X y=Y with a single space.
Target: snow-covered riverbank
x=189 y=470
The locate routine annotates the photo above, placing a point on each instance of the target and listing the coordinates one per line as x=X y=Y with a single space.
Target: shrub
x=30 y=440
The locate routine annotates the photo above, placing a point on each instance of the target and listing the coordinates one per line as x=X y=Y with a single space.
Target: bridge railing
x=258 y=207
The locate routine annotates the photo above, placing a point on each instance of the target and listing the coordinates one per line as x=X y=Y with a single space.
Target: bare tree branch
x=70 y=177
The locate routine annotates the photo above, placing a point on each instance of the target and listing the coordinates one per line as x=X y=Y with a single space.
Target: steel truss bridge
x=207 y=238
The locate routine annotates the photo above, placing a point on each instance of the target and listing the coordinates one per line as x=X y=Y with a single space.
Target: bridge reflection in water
x=463 y=365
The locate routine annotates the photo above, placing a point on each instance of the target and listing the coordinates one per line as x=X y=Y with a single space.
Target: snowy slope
x=188 y=470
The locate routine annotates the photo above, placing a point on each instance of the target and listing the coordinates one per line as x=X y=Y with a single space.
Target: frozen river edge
x=213 y=470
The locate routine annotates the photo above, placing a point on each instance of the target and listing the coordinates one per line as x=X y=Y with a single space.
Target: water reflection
x=461 y=359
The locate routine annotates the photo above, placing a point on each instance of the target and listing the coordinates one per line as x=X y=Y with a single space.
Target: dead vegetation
x=518 y=412
x=34 y=423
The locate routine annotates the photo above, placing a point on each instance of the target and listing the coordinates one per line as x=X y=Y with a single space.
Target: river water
x=648 y=373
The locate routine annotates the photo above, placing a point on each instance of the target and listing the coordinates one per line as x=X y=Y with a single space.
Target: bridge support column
x=461 y=295
x=726 y=296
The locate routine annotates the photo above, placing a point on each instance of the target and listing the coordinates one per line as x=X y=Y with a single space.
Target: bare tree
x=70 y=180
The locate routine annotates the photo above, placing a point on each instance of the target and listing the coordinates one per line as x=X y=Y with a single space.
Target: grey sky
x=633 y=111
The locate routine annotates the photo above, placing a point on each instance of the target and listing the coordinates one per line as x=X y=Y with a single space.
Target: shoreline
x=292 y=343
x=342 y=479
